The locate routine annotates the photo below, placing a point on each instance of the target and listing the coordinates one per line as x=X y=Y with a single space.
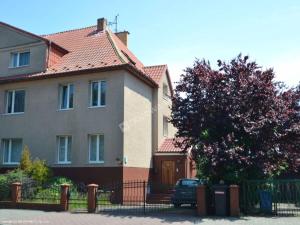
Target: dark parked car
x=185 y=192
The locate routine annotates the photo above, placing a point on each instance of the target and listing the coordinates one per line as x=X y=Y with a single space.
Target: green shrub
x=7 y=179
x=25 y=162
x=39 y=171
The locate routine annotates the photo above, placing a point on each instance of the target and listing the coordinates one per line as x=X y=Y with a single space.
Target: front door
x=168 y=173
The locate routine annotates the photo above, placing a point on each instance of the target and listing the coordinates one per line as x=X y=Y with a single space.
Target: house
x=82 y=101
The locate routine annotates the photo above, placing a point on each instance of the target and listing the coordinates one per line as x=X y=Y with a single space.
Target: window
x=165 y=126
x=18 y=59
x=64 y=149
x=98 y=93
x=15 y=101
x=165 y=91
x=66 y=96
x=12 y=149
x=96 y=148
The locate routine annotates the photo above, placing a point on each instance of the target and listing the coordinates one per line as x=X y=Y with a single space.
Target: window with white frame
x=15 y=101
x=19 y=59
x=166 y=91
x=96 y=148
x=64 y=149
x=66 y=96
x=165 y=126
x=12 y=150
x=98 y=93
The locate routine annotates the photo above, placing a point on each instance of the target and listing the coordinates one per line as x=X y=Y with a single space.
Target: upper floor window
x=98 y=93
x=165 y=126
x=166 y=91
x=66 y=96
x=96 y=148
x=64 y=149
x=12 y=150
x=18 y=59
x=15 y=101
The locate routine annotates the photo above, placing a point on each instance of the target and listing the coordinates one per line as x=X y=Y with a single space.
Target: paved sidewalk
x=9 y=217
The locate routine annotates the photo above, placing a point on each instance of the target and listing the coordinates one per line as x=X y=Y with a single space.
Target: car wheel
x=176 y=205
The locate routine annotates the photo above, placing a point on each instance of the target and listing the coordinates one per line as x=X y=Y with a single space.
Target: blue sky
x=176 y=32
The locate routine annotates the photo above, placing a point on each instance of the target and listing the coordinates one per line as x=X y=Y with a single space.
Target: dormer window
x=19 y=59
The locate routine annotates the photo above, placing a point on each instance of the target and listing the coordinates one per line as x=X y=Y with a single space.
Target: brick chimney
x=101 y=24
x=123 y=36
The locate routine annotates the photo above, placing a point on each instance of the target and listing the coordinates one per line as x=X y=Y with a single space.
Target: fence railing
x=34 y=193
x=77 y=197
x=277 y=197
x=133 y=197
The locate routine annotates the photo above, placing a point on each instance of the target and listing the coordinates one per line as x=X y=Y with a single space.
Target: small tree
x=239 y=122
x=37 y=169
x=40 y=172
x=25 y=162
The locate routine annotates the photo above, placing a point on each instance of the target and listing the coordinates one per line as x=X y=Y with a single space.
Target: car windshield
x=189 y=182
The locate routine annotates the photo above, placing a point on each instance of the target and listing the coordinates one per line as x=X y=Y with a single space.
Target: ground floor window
x=64 y=149
x=12 y=150
x=96 y=148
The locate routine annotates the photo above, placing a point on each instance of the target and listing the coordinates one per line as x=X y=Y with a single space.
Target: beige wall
x=163 y=110
x=12 y=41
x=42 y=121
x=137 y=122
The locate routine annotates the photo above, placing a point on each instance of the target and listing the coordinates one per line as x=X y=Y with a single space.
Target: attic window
x=19 y=59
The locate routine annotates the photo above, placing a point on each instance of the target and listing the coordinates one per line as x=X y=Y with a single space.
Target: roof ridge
x=66 y=31
x=155 y=65
x=114 y=46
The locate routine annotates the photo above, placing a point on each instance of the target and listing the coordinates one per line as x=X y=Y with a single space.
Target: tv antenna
x=115 y=23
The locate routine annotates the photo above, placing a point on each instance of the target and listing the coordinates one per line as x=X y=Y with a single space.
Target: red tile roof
x=156 y=72
x=168 y=146
x=89 y=49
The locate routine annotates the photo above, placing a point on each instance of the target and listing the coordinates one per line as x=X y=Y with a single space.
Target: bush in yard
x=7 y=179
x=37 y=169
x=25 y=162
x=238 y=121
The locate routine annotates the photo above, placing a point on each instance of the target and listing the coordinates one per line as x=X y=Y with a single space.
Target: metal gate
x=134 y=197
x=276 y=197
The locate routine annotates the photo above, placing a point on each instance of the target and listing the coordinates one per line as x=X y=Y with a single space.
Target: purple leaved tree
x=240 y=123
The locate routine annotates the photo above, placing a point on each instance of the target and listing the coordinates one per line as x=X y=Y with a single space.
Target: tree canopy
x=237 y=120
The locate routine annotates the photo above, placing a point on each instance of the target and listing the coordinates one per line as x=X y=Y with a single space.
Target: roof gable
x=11 y=36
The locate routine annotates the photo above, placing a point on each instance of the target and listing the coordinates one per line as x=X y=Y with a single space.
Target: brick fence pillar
x=16 y=192
x=64 y=198
x=92 y=192
x=201 y=200
x=234 y=200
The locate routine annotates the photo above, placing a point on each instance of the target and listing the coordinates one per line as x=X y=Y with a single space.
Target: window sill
x=12 y=114
x=18 y=67
x=62 y=110
x=96 y=162
x=95 y=107
x=63 y=163
x=11 y=164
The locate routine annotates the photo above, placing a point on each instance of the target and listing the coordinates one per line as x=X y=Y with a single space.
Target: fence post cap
x=65 y=185
x=16 y=184
x=92 y=185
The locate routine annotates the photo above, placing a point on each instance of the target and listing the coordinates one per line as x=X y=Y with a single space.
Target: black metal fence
x=32 y=192
x=134 y=197
x=77 y=197
x=276 y=197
